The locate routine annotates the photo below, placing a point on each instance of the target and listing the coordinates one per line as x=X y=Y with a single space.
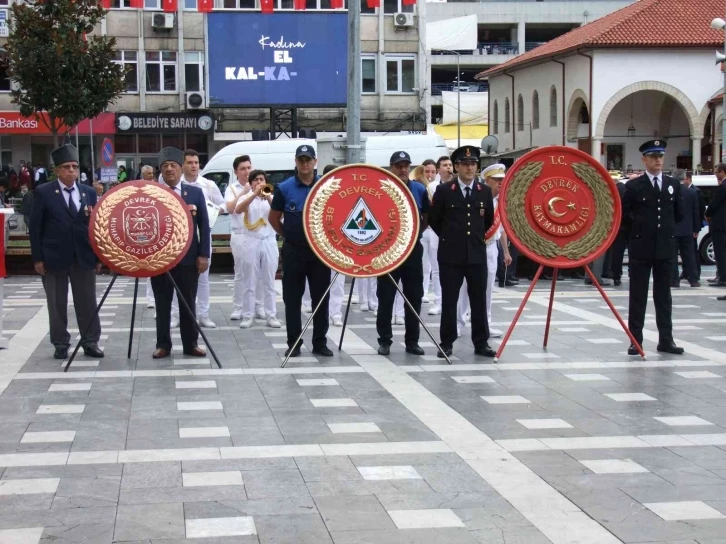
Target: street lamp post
x=720 y=24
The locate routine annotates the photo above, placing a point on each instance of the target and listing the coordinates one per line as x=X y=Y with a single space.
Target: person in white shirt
x=212 y=194
x=493 y=176
x=259 y=254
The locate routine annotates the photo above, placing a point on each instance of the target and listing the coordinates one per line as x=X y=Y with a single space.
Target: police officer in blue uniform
x=299 y=262
x=461 y=213
x=410 y=272
x=652 y=205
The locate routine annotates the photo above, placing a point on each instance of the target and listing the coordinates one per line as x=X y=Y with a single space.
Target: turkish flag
x=205 y=6
x=374 y=4
x=300 y=4
x=106 y=4
x=169 y=5
x=267 y=6
x=139 y=4
x=337 y=4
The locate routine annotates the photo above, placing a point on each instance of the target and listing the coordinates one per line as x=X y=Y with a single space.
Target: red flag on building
x=267 y=6
x=300 y=4
x=106 y=4
x=408 y=2
x=337 y=4
x=170 y=5
x=374 y=4
x=205 y=6
x=139 y=4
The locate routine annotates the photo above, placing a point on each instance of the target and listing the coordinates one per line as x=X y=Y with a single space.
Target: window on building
x=129 y=61
x=400 y=74
x=190 y=4
x=279 y=5
x=4 y=79
x=535 y=110
x=194 y=71
x=364 y=7
x=496 y=117
x=553 y=106
x=119 y=4
x=520 y=113
x=395 y=6
x=6 y=154
x=152 y=4
x=507 y=121
x=368 y=73
x=4 y=2
x=160 y=71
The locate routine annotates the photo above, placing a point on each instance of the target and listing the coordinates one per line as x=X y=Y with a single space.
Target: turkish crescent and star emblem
x=140 y=229
x=361 y=221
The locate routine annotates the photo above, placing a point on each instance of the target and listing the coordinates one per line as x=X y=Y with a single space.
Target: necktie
x=468 y=192
x=655 y=184
x=71 y=204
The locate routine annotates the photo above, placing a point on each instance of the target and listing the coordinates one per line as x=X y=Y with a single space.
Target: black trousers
x=299 y=263
x=186 y=278
x=698 y=257
x=410 y=273
x=639 y=279
x=452 y=276
x=684 y=246
x=718 y=237
x=618 y=253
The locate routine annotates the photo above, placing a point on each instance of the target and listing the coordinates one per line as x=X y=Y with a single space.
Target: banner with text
x=292 y=59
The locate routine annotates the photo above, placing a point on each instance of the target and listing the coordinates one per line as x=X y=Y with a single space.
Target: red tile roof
x=646 y=23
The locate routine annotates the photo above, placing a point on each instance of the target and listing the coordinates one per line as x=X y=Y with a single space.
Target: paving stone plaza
x=577 y=444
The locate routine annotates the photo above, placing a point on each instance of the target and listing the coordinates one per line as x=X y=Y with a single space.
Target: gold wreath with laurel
x=575 y=250
x=126 y=261
x=385 y=259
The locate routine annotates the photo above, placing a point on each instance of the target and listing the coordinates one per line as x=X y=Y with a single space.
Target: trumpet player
x=259 y=250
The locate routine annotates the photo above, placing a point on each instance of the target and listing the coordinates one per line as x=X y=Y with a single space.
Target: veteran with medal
x=461 y=213
x=652 y=205
x=186 y=273
x=61 y=252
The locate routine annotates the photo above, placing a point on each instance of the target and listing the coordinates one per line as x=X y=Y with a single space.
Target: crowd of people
x=457 y=206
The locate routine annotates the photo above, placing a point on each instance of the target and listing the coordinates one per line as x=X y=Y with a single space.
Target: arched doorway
x=578 y=122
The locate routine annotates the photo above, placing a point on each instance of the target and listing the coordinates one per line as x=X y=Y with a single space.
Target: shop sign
x=11 y=122
x=145 y=122
x=109 y=175
x=4 y=29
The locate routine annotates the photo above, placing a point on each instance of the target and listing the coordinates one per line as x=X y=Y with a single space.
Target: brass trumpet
x=267 y=190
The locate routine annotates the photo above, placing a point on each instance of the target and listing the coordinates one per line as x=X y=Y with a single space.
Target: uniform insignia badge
x=57 y=192
x=292 y=207
x=185 y=193
x=478 y=187
x=670 y=189
x=193 y=209
x=453 y=187
x=481 y=212
x=468 y=152
x=657 y=142
x=481 y=204
x=304 y=148
x=402 y=154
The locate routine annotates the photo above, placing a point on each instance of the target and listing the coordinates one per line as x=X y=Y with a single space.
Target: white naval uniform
x=259 y=259
x=213 y=195
x=367 y=295
x=335 y=302
x=430 y=243
x=492 y=263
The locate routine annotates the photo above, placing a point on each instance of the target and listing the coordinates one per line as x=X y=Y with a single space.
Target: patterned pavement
x=576 y=444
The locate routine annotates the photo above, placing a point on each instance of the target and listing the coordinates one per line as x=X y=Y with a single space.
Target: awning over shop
x=11 y=122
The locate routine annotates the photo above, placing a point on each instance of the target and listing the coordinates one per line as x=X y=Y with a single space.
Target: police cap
x=466 y=153
x=400 y=156
x=654 y=147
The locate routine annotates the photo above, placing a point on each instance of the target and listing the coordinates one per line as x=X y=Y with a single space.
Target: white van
x=421 y=147
x=707 y=184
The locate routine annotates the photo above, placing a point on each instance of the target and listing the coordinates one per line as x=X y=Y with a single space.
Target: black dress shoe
x=721 y=297
x=444 y=351
x=384 y=350
x=633 y=350
x=92 y=351
x=60 y=353
x=414 y=349
x=294 y=353
x=719 y=284
x=695 y=284
x=501 y=283
x=713 y=280
x=617 y=282
x=510 y=283
x=485 y=351
x=670 y=347
x=323 y=351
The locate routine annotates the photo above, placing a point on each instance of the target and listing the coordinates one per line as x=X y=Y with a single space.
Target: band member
x=430 y=243
x=235 y=193
x=191 y=176
x=410 y=273
x=299 y=262
x=147 y=174
x=367 y=294
x=61 y=252
x=621 y=241
x=186 y=273
x=461 y=214
x=259 y=252
x=652 y=205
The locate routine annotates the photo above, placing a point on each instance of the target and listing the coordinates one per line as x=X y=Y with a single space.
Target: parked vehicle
x=707 y=184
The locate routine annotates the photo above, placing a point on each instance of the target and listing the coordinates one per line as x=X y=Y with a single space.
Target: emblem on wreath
x=141 y=225
x=361 y=227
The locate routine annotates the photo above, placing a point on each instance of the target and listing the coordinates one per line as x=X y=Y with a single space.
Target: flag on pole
x=374 y=4
x=205 y=6
x=106 y=4
x=267 y=6
x=300 y=4
x=170 y=5
x=139 y=4
x=337 y=4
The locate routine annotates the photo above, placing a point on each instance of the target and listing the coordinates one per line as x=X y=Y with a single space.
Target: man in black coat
x=652 y=205
x=617 y=250
x=716 y=217
x=686 y=231
x=461 y=213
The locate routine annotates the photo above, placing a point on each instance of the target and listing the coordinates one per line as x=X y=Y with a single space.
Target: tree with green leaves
x=58 y=66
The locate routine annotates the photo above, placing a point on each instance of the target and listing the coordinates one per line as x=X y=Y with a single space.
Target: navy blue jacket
x=691 y=217
x=56 y=237
x=202 y=238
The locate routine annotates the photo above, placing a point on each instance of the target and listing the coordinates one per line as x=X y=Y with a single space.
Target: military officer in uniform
x=461 y=213
x=652 y=205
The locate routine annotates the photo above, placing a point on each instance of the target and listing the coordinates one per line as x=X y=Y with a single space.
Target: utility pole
x=353 y=151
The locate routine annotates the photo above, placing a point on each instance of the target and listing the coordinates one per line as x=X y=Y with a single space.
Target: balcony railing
x=437 y=88
x=486 y=48
x=528 y=46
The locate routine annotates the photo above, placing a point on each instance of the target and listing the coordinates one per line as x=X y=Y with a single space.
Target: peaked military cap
x=466 y=153
x=654 y=147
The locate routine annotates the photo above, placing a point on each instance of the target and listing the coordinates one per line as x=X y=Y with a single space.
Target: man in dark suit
x=461 y=213
x=186 y=273
x=652 y=205
x=716 y=217
x=617 y=250
x=686 y=231
x=61 y=252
